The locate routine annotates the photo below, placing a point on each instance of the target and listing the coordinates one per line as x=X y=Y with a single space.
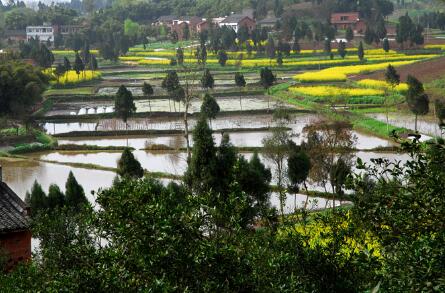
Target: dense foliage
x=21 y=87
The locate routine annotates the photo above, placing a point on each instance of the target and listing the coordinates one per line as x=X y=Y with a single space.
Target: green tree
x=392 y=78
x=299 y=165
x=186 y=32
x=241 y=83
x=342 y=49
x=440 y=112
x=349 y=35
x=380 y=29
x=270 y=48
x=327 y=46
x=392 y=211
x=280 y=59
x=200 y=174
x=276 y=149
x=180 y=56
x=56 y=198
x=66 y=63
x=147 y=90
x=361 y=52
x=243 y=34
x=78 y=65
x=59 y=71
x=171 y=84
x=19 y=95
x=74 y=193
x=222 y=57
x=37 y=199
x=338 y=176
x=129 y=166
x=124 y=105
x=267 y=78
x=209 y=107
x=207 y=80
x=386 y=46
x=416 y=98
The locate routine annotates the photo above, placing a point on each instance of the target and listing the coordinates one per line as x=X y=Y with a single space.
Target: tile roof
x=13 y=213
x=234 y=18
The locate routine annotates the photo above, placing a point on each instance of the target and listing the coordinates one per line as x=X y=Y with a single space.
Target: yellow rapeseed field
x=439 y=46
x=71 y=77
x=380 y=84
x=339 y=73
x=70 y=52
x=334 y=91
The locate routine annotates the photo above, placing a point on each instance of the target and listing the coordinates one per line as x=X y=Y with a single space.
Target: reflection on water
x=297 y=123
x=226 y=104
x=244 y=139
x=429 y=127
x=20 y=176
x=173 y=163
x=298 y=201
x=239 y=139
x=176 y=162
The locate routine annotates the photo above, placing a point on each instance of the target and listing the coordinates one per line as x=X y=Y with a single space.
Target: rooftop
x=234 y=18
x=13 y=211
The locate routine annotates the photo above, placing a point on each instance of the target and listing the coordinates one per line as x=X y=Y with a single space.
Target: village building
x=44 y=33
x=15 y=35
x=268 y=22
x=180 y=24
x=66 y=30
x=165 y=20
x=15 y=234
x=348 y=20
x=236 y=21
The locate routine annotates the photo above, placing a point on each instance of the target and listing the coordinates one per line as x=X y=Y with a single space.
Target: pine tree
x=74 y=194
x=123 y=104
x=239 y=80
x=386 y=47
x=78 y=65
x=37 y=199
x=207 y=80
x=128 y=166
x=222 y=57
x=361 y=52
x=280 y=59
x=209 y=107
x=147 y=89
x=66 y=64
x=391 y=76
x=349 y=35
x=270 y=49
x=416 y=98
x=200 y=174
x=342 y=49
x=56 y=198
x=180 y=56
x=267 y=77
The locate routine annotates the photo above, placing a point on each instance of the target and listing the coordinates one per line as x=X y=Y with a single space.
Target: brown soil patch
x=425 y=71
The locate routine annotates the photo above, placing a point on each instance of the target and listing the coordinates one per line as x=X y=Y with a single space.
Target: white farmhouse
x=43 y=33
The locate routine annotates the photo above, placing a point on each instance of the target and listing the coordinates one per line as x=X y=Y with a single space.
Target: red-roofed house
x=15 y=234
x=346 y=20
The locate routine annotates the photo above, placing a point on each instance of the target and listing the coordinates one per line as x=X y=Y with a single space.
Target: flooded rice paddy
x=226 y=104
x=251 y=138
x=426 y=126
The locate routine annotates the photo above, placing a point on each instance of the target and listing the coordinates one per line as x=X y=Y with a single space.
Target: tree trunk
x=186 y=131
x=415 y=124
x=126 y=130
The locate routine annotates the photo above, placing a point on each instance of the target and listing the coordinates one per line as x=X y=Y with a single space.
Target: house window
x=344 y=18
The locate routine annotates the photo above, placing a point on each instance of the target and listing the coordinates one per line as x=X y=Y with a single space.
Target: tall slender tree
x=417 y=99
